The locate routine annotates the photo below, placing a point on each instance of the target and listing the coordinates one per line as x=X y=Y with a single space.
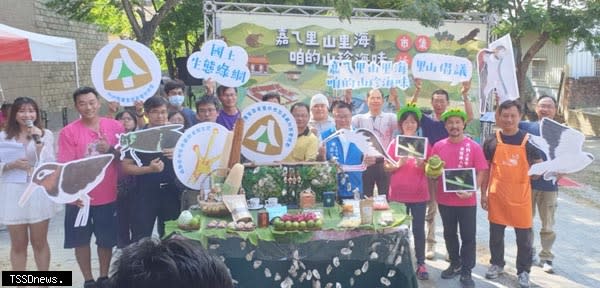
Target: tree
x=573 y=21
x=143 y=20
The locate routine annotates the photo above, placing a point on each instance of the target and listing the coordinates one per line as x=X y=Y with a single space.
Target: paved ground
x=577 y=248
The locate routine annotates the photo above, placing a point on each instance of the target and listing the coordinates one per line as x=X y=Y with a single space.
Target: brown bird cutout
x=68 y=182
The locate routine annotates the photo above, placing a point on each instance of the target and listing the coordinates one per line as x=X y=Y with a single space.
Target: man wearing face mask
x=174 y=92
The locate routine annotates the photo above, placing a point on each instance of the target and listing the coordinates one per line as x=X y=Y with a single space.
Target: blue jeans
x=417 y=211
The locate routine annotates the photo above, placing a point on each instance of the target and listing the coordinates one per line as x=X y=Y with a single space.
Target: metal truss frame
x=212 y=8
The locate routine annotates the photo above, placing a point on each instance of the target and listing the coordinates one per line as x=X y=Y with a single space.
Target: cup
x=272 y=201
x=253 y=202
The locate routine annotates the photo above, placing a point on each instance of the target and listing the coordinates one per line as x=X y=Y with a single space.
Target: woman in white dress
x=24 y=146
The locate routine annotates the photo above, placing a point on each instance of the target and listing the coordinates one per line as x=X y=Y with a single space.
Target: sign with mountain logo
x=272 y=134
x=126 y=71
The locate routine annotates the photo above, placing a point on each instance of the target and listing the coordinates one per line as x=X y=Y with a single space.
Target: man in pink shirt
x=91 y=135
x=459 y=209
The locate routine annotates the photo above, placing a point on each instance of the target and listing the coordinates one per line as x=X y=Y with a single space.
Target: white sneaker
x=547 y=267
x=524 y=280
x=494 y=272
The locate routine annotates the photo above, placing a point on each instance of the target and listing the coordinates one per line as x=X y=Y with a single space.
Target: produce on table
x=217 y=224
x=187 y=221
x=185 y=217
x=349 y=222
x=292 y=222
x=241 y=226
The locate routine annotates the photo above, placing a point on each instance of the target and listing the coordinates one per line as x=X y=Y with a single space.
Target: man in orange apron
x=508 y=195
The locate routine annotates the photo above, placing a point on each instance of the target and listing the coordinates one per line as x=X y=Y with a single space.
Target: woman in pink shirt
x=408 y=184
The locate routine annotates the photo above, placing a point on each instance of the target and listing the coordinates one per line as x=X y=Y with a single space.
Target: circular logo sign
x=270 y=132
x=422 y=43
x=198 y=152
x=403 y=42
x=126 y=71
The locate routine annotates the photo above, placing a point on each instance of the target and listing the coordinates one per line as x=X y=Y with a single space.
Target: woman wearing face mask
x=27 y=224
x=174 y=92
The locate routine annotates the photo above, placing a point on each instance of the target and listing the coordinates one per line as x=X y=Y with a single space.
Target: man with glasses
x=345 y=153
x=544 y=193
x=156 y=194
x=229 y=113
x=383 y=125
x=206 y=109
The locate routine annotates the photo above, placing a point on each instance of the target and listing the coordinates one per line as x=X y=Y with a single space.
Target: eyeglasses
x=204 y=111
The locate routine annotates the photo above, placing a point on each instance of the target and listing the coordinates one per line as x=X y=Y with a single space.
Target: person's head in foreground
x=181 y=263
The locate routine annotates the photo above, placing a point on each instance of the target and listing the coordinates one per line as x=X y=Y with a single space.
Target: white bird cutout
x=365 y=141
x=563 y=148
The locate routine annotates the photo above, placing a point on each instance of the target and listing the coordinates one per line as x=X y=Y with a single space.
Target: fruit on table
x=303 y=221
x=185 y=217
x=434 y=166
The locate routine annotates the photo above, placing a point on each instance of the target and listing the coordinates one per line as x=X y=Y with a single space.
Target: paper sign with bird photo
x=69 y=182
x=563 y=148
x=459 y=180
x=151 y=140
x=411 y=146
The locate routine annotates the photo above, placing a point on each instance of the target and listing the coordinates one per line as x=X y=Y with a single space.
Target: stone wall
x=52 y=83
x=583 y=92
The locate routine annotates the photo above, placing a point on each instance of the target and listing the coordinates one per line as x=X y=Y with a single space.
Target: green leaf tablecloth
x=372 y=256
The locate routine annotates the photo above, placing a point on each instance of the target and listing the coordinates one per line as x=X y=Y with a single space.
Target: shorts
x=102 y=222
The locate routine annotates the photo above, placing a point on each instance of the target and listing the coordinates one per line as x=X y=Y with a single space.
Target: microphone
x=35 y=137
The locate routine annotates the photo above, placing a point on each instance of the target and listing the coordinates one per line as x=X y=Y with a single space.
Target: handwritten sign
x=216 y=60
x=341 y=74
x=126 y=71
x=440 y=67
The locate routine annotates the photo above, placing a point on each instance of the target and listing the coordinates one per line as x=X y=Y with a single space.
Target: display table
x=372 y=256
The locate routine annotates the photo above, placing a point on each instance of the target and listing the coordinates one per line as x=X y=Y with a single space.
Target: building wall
x=50 y=83
x=555 y=56
x=581 y=64
x=584 y=92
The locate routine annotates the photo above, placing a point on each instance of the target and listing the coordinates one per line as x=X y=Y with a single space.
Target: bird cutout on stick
x=151 y=140
x=68 y=182
x=563 y=148
x=365 y=141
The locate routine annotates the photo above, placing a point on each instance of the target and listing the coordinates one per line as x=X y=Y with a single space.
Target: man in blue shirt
x=544 y=192
x=345 y=152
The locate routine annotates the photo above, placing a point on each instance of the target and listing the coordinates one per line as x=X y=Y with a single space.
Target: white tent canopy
x=18 y=45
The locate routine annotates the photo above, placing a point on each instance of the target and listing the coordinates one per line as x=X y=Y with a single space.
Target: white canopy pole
x=2 y=93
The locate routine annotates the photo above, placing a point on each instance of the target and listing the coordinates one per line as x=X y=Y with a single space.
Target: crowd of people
x=132 y=199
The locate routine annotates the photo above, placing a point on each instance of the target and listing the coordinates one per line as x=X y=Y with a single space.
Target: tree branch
x=135 y=26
